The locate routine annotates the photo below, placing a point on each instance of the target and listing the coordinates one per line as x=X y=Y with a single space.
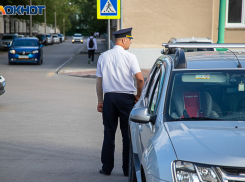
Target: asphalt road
x=49 y=128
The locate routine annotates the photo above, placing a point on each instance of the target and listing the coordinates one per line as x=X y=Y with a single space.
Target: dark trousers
x=91 y=53
x=116 y=105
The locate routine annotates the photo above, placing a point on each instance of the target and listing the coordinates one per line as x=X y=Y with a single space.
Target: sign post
x=108 y=9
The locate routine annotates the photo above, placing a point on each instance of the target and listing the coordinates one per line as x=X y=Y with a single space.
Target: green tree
x=87 y=17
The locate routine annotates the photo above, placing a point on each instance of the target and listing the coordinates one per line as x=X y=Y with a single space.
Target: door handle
x=140 y=128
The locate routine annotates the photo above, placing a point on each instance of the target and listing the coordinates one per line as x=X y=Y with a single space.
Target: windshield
x=41 y=36
x=206 y=95
x=48 y=35
x=77 y=35
x=25 y=43
x=8 y=37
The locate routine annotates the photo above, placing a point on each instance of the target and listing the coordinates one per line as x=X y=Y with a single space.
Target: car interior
x=215 y=95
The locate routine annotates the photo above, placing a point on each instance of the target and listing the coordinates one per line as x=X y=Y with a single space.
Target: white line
x=58 y=69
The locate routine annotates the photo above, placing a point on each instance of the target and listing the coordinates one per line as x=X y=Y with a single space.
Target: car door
x=151 y=101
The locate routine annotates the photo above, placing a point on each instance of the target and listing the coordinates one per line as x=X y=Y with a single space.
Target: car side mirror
x=41 y=45
x=140 y=115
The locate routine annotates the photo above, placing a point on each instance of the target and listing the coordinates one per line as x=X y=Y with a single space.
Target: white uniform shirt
x=95 y=43
x=117 y=67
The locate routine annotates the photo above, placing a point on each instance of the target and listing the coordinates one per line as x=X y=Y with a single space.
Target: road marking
x=50 y=74
x=58 y=69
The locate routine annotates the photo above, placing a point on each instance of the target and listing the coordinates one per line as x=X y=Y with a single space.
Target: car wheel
x=10 y=63
x=131 y=166
x=39 y=62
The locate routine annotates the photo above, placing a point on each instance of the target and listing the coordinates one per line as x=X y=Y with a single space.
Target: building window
x=235 y=12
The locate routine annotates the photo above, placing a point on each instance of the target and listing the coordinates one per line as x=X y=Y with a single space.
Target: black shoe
x=102 y=172
x=125 y=174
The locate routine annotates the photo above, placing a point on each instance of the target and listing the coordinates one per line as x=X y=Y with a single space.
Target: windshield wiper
x=195 y=119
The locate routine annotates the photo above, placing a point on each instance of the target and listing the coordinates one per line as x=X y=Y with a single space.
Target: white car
x=2 y=84
x=56 y=38
x=77 y=37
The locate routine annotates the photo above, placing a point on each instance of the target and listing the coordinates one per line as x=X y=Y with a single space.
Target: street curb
x=63 y=65
x=88 y=76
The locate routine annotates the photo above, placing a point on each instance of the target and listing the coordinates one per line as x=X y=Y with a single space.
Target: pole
x=45 y=18
x=55 y=21
x=121 y=23
x=221 y=29
x=64 y=32
x=109 y=34
x=30 y=20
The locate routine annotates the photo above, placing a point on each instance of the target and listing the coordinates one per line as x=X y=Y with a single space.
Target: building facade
x=13 y=25
x=155 y=22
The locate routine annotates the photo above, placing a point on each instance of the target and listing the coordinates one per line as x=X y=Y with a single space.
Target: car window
x=156 y=93
x=25 y=43
x=8 y=37
x=150 y=83
x=216 y=94
x=77 y=35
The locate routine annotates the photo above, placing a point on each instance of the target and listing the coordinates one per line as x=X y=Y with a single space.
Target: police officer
x=115 y=70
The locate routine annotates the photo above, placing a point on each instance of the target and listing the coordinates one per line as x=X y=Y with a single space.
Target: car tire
x=39 y=62
x=131 y=166
x=10 y=63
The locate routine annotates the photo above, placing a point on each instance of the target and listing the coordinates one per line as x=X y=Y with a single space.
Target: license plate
x=23 y=57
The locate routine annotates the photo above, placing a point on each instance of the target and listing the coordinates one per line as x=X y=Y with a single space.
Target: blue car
x=25 y=50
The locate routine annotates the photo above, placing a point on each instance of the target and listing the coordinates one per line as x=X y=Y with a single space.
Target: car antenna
x=239 y=64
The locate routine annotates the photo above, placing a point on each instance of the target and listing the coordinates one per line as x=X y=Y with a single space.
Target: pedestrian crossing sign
x=108 y=9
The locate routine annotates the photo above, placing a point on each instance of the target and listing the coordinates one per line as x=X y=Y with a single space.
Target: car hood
x=20 y=49
x=209 y=142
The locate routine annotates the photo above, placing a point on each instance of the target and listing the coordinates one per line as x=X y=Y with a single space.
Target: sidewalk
x=78 y=64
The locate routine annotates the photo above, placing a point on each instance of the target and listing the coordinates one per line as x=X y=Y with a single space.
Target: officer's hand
x=136 y=98
x=100 y=107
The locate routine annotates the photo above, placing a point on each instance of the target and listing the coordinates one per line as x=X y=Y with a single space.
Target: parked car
x=63 y=37
x=50 y=39
x=1 y=45
x=60 y=37
x=8 y=39
x=42 y=39
x=25 y=50
x=56 y=38
x=190 y=40
x=77 y=38
x=189 y=122
x=2 y=84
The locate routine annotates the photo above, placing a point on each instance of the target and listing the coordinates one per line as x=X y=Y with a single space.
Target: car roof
x=213 y=60
x=191 y=39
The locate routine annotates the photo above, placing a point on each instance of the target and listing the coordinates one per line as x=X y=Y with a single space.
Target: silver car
x=2 y=84
x=7 y=40
x=193 y=40
x=189 y=124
